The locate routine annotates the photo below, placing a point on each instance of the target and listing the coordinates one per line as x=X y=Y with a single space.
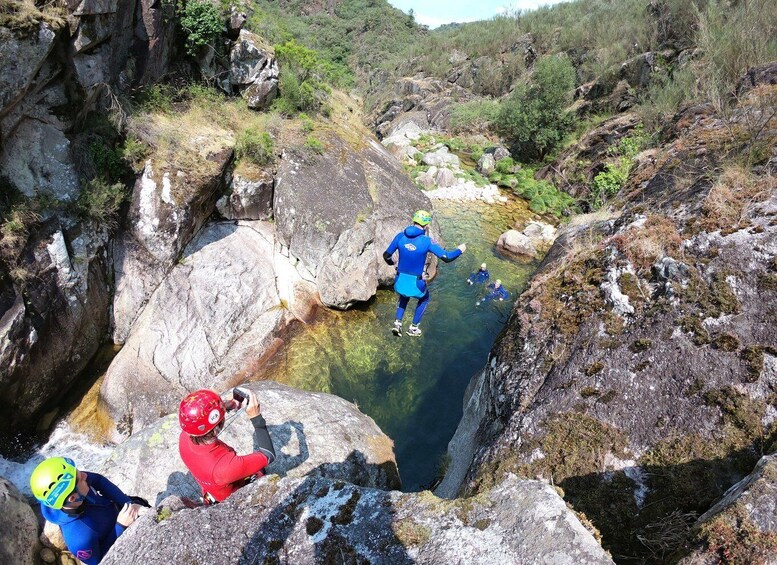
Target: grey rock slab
x=36 y=158
x=20 y=61
x=314 y=434
x=18 y=527
x=486 y=164
x=317 y=520
x=516 y=244
x=215 y=314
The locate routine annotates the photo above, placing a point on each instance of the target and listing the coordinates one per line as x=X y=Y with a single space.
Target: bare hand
x=252 y=408
x=231 y=404
x=128 y=514
x=462 y=247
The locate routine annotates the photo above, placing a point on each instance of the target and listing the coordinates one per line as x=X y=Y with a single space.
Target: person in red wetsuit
x=216 y=467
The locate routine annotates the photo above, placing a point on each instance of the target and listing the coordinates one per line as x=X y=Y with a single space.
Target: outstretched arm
x=444 y=254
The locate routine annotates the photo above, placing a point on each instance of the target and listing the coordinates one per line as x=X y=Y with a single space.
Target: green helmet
x=422 y=218
x=53 y=481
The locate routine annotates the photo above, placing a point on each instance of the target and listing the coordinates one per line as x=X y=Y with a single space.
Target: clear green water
x=413 y=387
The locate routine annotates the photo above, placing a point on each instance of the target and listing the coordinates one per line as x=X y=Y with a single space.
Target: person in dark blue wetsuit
x=413 y=244
x=479 y=276
x=89 y=509
x=495 y=292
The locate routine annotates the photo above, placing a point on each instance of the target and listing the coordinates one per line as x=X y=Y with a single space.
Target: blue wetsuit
x=413 y=244
x=90 y=532
x=478 y=277
x=496 y=293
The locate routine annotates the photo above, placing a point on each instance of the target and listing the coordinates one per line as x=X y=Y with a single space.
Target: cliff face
x=637 y=372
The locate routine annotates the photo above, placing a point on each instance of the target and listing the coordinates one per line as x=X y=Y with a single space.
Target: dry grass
x=732 y=197
x=23 y=17
x=643 y=246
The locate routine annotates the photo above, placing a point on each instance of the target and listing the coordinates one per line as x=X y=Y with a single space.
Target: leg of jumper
x=420 y=308
x=403 y=300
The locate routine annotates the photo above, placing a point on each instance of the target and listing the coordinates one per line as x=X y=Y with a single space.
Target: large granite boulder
x=337 y=212
x=53 y=318
x=248 y=197
x=253 y=70
x=319 y=520
x=742 y=526
x=18 y=527
x=168 y=206
x=214 y=315
x=314 y=434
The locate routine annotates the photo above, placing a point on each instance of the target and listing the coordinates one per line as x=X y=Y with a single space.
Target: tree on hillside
x=533 y=119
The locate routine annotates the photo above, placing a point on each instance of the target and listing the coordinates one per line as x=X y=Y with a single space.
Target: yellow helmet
x=422 y=218
x=53 y=480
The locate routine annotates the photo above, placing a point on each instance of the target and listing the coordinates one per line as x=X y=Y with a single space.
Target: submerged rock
x=318 y=520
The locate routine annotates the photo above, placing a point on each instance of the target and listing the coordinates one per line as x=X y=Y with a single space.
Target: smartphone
x=239 y=395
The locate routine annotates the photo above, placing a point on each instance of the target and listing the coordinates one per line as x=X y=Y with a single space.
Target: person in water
x=479 y=276
x=89 y=509
x=216 y=467
x=495 y=292
x=413 y=244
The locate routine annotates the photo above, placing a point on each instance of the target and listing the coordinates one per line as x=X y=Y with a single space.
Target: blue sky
x=437 y=12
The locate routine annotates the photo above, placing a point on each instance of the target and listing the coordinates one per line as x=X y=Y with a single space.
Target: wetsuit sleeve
x=446 y=256
x=393 y=246
x=233 y=467
x=262 y=438
x=107 y=489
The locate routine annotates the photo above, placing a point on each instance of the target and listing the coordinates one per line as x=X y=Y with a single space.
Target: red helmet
x=200 y=412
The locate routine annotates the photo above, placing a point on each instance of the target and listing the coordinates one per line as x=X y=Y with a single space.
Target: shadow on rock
x=290 y=446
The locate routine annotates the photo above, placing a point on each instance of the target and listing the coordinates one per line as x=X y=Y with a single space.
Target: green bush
x=202 y=24
x=108 y=162
x=505 y=166
x=534 y=118
x=543 y=197
x=314 y=145
x=608 y=183
x=100 y=200
x=476 y=115
x=134 y=152
x=303 y=86
x=254 y=146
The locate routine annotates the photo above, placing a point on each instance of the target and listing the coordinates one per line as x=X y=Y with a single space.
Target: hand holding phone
x=239 y=395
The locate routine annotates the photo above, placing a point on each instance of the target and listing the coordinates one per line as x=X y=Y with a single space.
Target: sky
x=438 y=12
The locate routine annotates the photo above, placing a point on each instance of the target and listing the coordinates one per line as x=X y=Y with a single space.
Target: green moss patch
x=733 y=537
x=593 y=368
x=410 y=533
x=640 y=345
x=726 y=342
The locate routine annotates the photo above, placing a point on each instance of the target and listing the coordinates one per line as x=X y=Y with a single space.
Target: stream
x=412 y=387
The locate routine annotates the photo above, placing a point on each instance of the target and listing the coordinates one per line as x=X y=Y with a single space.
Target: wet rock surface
x=18 y=527
x=315 y=520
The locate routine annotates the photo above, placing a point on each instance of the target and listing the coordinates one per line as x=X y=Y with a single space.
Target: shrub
x=477 y=115
x=608 y=183
x=134 y=152
x=543 y=197
x=100 y=200
x=108 y=162
x=202 y=23
x=533 y=118
x=314 y=145
x=254 y=146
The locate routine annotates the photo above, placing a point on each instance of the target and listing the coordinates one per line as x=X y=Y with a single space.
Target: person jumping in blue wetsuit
x=89 y=509
x=479 y=276
x=413 y=244
x=495 y=292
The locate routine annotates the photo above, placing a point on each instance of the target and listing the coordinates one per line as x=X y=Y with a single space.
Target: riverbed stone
x=314 y=434
x=486 y=164
x=445 y=178
x=516 y=244
x=441 y=157
x=518 y=522
x=18 y=527
x=214 y=315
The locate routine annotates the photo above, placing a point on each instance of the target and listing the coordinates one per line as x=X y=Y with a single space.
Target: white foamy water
x=63 y=442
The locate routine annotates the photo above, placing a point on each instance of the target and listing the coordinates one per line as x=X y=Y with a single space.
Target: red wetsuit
x=217 y=468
